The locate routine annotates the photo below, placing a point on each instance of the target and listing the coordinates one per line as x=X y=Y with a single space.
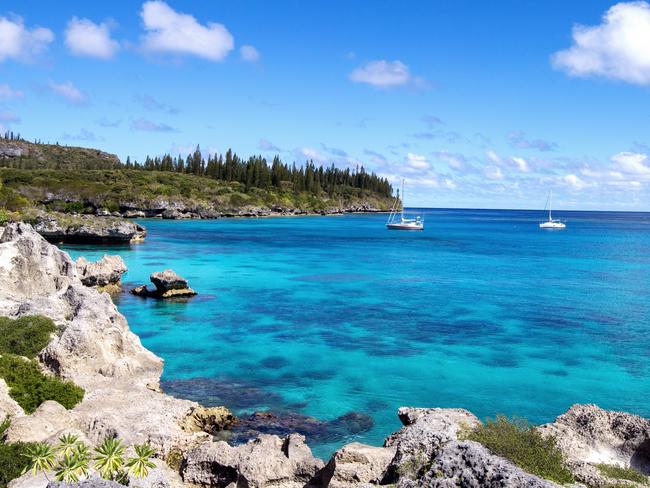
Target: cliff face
x=95 y=348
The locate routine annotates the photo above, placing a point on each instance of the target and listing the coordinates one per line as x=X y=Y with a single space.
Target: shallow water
x=327 y=315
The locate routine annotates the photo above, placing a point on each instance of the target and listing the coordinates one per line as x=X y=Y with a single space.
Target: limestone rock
x=210 y=420
x=106 y=271
x=168 y=285
x=58 y=227
x=49 y=421
x=93 y=482
x=470 y=464
x=357 y=463
x=264 y=462
x=8 y=406
x=589 y=435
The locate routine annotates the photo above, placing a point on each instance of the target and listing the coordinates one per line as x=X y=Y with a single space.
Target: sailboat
x=402 y=223
x=551 y=223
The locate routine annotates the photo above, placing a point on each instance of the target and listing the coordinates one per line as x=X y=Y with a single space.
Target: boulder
x=264 y=462
x=106 y=271
x=589 y=435
x=49 y=421
x=168 y=285
x=134 y=214
x=357 y=463
x=210 y=420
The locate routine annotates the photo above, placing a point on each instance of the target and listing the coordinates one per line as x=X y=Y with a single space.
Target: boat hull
x=552 y=225
x=399 y=226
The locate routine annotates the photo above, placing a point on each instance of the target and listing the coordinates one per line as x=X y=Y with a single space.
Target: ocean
x=329 y=315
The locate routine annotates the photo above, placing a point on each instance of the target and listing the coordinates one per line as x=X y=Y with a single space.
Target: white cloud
x=169 y=31
x=618 y=48
x=6 y=92
x=85 y=38
x=494 y=173
x=310 y=153
x=574 y=181
x=494 y=157
x=7 y=116
x=417 y=161
x=68 y=91
x=456 y=161
x=19 y=43
x=382 y=74
x=635 y=163
x=266 y=145
x=249 y=53
x=521 y=163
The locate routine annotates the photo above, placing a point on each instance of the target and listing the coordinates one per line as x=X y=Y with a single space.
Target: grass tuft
x=518 y=441
x=622 y=473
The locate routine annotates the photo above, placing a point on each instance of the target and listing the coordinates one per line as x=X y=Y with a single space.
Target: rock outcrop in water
x=168 y=285
x=105 y=273
x=60 y=227
x=95 y=348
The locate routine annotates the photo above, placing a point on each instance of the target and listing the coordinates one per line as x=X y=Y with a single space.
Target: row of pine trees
x=256 y=172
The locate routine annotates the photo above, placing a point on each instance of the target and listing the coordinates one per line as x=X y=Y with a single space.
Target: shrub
x=519 y=442
x=25 y=336
x=4 y=216
x=11 y=200
x=622 y=473
x=30 y=387
x=12 y=461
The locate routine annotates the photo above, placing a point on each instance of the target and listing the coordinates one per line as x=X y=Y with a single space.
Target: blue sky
x=476 y=104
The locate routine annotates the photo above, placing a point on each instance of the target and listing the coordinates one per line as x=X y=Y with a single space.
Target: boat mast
x=402 y=198
x=550 y=204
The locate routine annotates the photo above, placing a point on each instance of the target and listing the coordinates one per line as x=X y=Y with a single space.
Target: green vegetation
x=71 y=459
x=70 y=179
x=30 y=387
x=25 y=336
x=622 y=473
x=13 y=460
x=519 y=442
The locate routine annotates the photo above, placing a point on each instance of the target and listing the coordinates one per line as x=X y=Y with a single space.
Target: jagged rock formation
x=263 y=462
x=211 y=420
x=8 y=406
x=105 y=272
x=356 y=464
x=168 y=285
x=589 y=435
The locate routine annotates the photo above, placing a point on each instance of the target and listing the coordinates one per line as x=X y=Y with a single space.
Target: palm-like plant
x=140 y=464
x=82 y=454
x=109 y=458
x=67 y=444
x=41 y=458
x=68 y=469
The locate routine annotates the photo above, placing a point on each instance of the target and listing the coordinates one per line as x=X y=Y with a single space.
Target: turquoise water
x=327 y=315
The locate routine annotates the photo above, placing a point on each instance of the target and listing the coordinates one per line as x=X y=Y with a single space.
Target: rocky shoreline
x=95 y=349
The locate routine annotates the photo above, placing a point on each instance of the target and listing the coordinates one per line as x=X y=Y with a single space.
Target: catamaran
x=402 y=223
x=551 y=223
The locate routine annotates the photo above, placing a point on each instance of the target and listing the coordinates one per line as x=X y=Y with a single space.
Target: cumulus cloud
x=574 y=181
x=616 y=48
x=518 y=139
x=151 y=126
x=494 y=173
x=634 y=163
x=310 y=154
x=515 y=161
x=334 y=151
x=151 y=104
x=69 y=91
x=83 y=135
x=454 y=160
x=431 y=120
x=6 y=92
x=20 y=43
x=108 y=123
x=383 y=74
x=266 y=145
x=249 y=53
x=85 y=38
x=169 y=31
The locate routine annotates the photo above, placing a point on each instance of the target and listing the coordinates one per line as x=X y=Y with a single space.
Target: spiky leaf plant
x=140 y=464
x=41 y=458
x=109 y=458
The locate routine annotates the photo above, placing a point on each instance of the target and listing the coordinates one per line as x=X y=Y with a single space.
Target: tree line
x=257 y=172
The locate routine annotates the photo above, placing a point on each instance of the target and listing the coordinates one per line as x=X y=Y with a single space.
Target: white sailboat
x=402 y=223
x=551 y=223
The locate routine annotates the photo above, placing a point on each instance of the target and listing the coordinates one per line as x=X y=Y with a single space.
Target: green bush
x=521 y=443
x=30 y=387
x=12 y=457
x=622 y=473
x=25 y=336
x=4 y=216
x=11 y=200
